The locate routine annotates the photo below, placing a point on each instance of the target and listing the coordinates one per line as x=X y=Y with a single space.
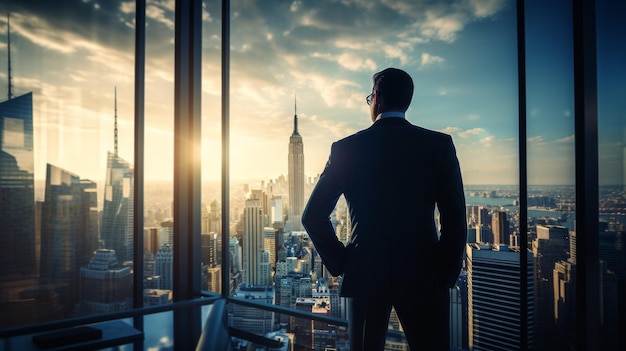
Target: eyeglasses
x=369 y=98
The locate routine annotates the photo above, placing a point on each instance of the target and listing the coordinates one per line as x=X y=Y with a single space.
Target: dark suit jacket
x=392 y=175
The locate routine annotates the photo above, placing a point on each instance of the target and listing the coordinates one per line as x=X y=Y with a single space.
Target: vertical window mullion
x=138 y=198
x=523 y=180
x=187 y=192
x=587 y=198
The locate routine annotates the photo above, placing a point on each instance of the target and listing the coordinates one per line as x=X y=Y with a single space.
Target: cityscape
x=70 y=253
x=67 y=176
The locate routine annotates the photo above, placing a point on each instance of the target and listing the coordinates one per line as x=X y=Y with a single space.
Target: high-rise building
x=69 y=231
x=493 y=275
x=269 y=243
x=166 y=232
x=500 y=228
x=252 y=241
x=17 y=208
x=550 y=246
x=117 y=211
x=105 y=285
x=211 y=249
x=251 y=319
x=164 y=266
x=296 y=176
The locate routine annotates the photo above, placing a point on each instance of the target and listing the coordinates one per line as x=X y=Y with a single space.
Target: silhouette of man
x=392 y=175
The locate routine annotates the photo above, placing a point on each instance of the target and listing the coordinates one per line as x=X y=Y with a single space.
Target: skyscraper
x=17 y=208
x=252 y=241
x=550 y=247
x=117 y=212
x=296 y=175
x=493 y=277
x=105 y=285
x=164 y=266
x=69 y=233
x=500 y=228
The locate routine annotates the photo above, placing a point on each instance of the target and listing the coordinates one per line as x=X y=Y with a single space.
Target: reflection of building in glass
x=296 y=177
x=117 y=212
x=17 y=208
x=493 y=276
x=105 y=285
x=69 y=231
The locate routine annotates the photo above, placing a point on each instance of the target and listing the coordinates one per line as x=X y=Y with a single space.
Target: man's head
x=392 y=91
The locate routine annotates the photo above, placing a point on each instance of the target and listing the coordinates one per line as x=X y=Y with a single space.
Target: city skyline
x=462 y=58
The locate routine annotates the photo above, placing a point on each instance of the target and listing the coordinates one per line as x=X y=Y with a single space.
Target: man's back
x=392 y=174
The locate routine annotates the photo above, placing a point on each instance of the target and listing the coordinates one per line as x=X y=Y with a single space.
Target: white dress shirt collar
x=388 y=114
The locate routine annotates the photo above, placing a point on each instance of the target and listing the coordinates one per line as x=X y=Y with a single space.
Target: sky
x=316 y=59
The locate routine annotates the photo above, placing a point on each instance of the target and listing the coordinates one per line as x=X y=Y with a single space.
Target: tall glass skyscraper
x=69 y=231
x=117 y=216
x=17 y=208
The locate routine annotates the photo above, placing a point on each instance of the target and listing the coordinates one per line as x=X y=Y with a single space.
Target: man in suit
x=393 y=175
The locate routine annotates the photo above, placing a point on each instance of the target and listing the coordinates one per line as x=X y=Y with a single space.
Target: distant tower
x=117 y=211
x=296 y=174
x=115 y=125
x=10 y=91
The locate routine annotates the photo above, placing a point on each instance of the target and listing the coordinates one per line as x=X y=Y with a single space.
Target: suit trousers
x=424 y=316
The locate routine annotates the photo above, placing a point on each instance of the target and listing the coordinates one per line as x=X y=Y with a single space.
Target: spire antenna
x=115 y=127
x=295 y=115
x=10 y=93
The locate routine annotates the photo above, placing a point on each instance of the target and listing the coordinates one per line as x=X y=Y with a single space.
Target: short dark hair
x=395 y=86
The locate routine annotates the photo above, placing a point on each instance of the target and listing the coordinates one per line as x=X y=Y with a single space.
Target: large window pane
x=300 y=72
x=551 y=188
x=611 y=69
x=211 y=228
x=159 y=155
x=66 y=136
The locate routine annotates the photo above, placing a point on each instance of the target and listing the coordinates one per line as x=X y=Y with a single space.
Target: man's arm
x=316 y=220
x=451 y=205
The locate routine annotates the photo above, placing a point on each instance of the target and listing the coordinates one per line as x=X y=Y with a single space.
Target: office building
x=105 y=285
x=164 y=266
x=17 y=208
x=117 y=213
x=550 y=247
x=69 y=231
x=493 y=277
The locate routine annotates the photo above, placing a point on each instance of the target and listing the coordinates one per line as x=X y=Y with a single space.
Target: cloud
x=428 y=59
x=450 y=130
x=488 y=141
x=535 y=140
x=471 y=132
x=486 y=8
x=158 y=14
x=567 y=139
x=349 y=61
